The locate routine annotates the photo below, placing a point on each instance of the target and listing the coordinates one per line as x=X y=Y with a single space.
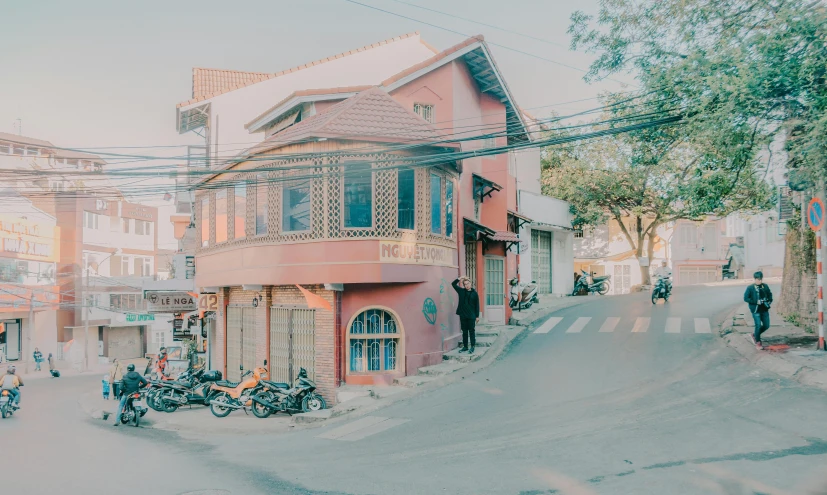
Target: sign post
x=815 y=218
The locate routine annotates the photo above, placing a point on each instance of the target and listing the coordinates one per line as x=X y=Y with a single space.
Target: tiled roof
x=372 y=115
x=505 y=236
x=229 y=80
x=309 y=92
x=5 y=136
x=207 y=81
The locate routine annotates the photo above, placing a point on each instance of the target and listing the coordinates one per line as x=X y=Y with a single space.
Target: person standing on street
x=51 y=360
x=38 y=358
x=759 y=298
x=131 y=383
x=468 y=310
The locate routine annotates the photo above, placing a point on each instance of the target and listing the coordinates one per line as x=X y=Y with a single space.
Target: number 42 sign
x=208 y=302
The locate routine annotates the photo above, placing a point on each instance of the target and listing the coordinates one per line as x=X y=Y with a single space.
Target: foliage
x=740 y=70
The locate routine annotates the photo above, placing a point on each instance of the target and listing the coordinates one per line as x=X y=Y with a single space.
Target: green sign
x=132 y=317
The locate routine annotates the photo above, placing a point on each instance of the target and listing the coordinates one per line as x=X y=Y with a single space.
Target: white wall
x=231 y=111
x=763 y=246
x=110 y=234
x=527 y=165
x=548 y=212
x=697 y=241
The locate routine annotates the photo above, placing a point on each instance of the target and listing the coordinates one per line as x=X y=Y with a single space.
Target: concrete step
x=443 y=368
x=464 y=357
x=414 y=380
x=485 y=340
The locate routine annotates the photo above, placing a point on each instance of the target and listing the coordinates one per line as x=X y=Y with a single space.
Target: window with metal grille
x=221 y=215
x=261 y=204
x=240 y=211
x=449 y=208
x=406 y=199
x=424 y=111
x=295 y=208
x=578 y=234
x=358 y=195
x=436 y=204
x=205 y=222
x=373 y=342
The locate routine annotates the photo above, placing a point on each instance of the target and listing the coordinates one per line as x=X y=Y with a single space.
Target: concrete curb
x=768 y=361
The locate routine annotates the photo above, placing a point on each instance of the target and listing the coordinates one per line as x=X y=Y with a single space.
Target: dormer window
x=424 y=111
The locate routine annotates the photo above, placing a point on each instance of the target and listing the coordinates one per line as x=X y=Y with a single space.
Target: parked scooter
x=157 y=388
x=523 y=295
x=661 y=290
x=589 y=283
x=196 y=389
x=229 y=396
x=280 y=397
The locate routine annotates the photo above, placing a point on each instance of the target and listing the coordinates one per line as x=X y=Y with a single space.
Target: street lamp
x=85 y=314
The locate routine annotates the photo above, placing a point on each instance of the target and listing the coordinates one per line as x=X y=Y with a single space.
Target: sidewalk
x=790 y=351
x=96 y=369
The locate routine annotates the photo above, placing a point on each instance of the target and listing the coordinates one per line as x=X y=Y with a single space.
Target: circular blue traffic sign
x=815 y=214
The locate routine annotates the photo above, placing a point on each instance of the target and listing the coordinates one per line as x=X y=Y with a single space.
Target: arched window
x=373 y=342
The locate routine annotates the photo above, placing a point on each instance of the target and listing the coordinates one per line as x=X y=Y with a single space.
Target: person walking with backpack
x=38 y=358
x=468 y=310
x=759 y=298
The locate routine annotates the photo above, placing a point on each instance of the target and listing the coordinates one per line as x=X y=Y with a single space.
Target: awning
x=518 y=219
x=484 y=187
x=471 y=228
x=509 y=238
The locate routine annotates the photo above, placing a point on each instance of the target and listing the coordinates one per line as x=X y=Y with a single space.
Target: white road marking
x=548 y=325
x=610 y=324
x=579 y=325
x=641 y=325
x=702 y=325
x=349 y=428
x=373 y=430
x=673 y=325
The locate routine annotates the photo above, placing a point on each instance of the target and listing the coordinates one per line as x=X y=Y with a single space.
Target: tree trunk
x=645 y=271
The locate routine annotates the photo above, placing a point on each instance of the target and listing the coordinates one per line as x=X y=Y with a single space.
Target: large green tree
x=653 y=176
x=742 y=70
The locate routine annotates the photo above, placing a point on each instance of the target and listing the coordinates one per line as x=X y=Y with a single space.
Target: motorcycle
x=157 y=388
x=134 y=409
x=229 y=396
x=7 y=405
x=523 y=295
x=661 y=290
x=280 y=397
x=599 y=284
x=197 y=389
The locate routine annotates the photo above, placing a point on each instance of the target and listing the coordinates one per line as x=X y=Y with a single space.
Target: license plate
x=138 y=404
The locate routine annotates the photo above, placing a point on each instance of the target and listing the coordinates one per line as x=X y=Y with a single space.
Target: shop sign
x=170 y=302
x=139 y=212
x=177 y=324
x=132 y=317
x=415 y=254
x=28 y=240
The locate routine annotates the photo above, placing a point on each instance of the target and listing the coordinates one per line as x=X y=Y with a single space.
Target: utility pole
x=27 y=349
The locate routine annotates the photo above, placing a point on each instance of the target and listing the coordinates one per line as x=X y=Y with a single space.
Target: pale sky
x=94 y=73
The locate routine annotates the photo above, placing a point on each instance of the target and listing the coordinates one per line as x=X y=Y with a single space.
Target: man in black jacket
x=131 y=383
x=468 y=310
x=759 y=298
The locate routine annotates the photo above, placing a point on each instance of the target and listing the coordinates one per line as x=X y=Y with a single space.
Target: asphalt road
x=579 y=412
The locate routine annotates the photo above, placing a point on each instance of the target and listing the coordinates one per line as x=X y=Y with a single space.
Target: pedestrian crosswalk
x=642 y=324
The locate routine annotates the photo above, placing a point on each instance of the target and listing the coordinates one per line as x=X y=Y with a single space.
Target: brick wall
x=324 y=338
x=218 y=360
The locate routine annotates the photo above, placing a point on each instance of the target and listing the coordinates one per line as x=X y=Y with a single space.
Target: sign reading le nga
x=170 y=302
x=416 y=254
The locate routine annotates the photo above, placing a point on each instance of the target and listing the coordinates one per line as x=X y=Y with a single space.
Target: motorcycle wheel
x=220 y=411
x=3 y=410
x=666 y=298
x=152 y=400
x=654 y=298
x=313 y=402
x=260 y=410
x=603 y=289
x=136 y=418
x=169 y=407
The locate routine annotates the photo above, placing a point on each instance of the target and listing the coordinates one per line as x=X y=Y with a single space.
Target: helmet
x=131 y=367
x=11 y=370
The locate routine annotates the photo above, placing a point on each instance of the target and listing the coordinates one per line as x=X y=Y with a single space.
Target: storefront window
x=221 y=215
x=436 y=204
x=358 y=191
x=373 y=342
x=406 y=199
x=295 y=206
x=240 y=211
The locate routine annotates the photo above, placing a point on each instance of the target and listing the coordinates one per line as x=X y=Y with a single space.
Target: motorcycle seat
x=225 y=383
x=277 y=384
x=602 y=278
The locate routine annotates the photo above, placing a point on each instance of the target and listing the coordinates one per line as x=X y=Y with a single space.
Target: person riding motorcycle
x=12 y=383
x=665 y=273
x=132 y=382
